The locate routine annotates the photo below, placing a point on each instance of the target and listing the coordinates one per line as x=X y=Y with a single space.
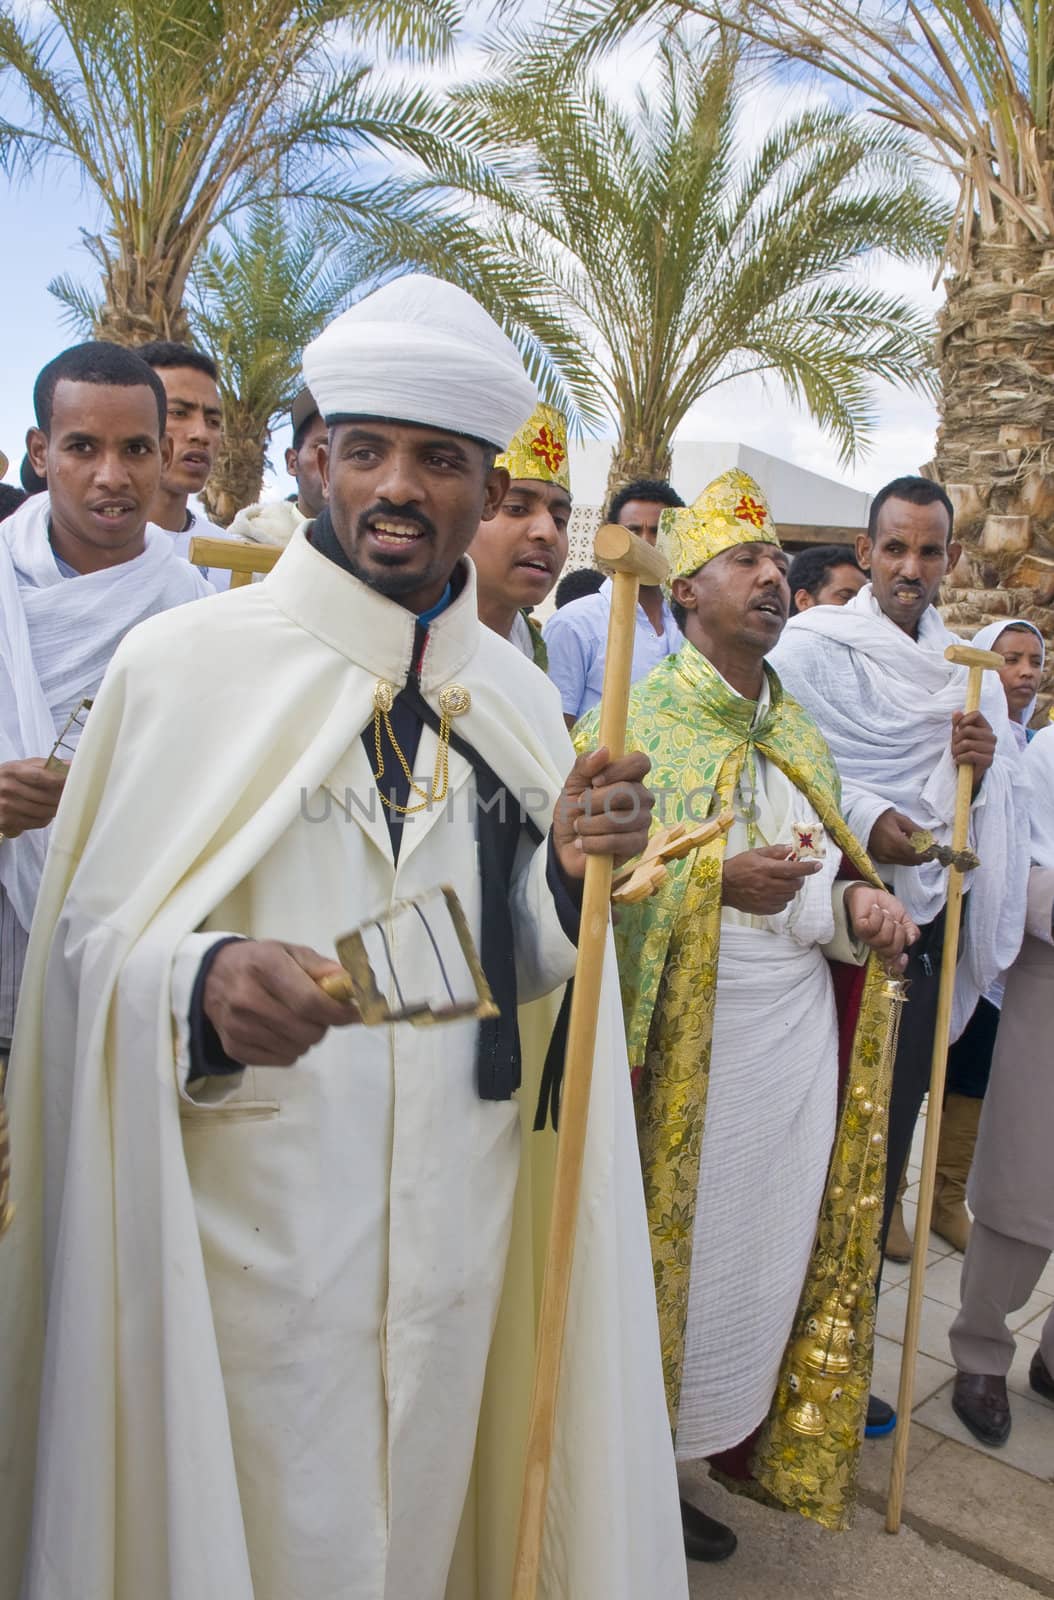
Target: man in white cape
x=874 y=677
x=287 y=1268
x=79 y=567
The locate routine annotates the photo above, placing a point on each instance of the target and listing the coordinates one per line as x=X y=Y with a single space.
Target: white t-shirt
x=200 y=527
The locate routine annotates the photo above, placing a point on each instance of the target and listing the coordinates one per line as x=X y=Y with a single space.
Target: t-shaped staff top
x=965 y=655
x=622 y=551
x=978 y=662
x=632 y=561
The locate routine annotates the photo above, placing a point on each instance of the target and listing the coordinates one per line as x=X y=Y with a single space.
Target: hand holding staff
x=633 y=562
x=978 y=662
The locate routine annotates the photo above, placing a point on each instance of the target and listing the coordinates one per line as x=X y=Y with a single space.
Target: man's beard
x=394 y=583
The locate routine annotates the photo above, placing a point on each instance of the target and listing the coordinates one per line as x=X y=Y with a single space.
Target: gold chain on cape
x=453 y=701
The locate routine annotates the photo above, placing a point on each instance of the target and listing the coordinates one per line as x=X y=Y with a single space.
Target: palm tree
x=177 y=114
x=973 y=82
x=646 y=259
x=255 y=301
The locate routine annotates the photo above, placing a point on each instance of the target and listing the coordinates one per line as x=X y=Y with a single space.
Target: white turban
x=421 y=350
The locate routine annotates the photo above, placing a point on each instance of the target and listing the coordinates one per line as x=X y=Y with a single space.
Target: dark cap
x=303 y=409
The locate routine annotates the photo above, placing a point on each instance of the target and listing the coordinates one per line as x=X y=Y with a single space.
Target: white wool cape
x=125 y=1254
x=884 y=703
x=57 y=635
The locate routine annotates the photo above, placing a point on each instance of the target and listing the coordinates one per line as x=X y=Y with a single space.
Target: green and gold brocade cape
x=540 y=653
x=698 y=733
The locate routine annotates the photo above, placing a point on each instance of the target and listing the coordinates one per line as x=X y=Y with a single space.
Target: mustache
x=385 y=509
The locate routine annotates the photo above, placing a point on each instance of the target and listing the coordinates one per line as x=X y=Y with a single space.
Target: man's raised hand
x=263 y=999
x=973 y=743
x=890 y=840
x=30 y=792
x=762 y=882
x=603 y=809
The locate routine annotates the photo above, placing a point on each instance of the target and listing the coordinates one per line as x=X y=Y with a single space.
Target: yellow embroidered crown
x=539 y=449
x=730 y=511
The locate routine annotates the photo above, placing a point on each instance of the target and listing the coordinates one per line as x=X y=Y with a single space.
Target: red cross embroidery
x=748 y=510
x=548 y=448
x=805 y=840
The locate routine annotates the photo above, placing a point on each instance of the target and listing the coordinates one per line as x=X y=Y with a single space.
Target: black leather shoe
x=1039 y=1377
x=981 y=1404
x=705 y=1539
x=881 y=1418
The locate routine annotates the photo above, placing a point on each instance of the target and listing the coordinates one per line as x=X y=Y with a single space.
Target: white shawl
x=1039 y=764
x=270 y=522
x=884 y=703
x=57 y=635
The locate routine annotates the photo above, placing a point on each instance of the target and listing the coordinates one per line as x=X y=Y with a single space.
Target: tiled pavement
x=1030 y=1447
x=978 y=1524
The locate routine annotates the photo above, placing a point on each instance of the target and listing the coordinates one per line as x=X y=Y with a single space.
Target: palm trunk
x=995 y=444
x=637 y=457
x=237 y=477
x=142 y=299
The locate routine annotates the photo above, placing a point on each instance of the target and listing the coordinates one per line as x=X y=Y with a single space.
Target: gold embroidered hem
x=700 y=735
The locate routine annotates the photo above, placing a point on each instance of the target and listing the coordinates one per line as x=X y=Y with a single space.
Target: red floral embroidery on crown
x=748 y=510
x=548 y=448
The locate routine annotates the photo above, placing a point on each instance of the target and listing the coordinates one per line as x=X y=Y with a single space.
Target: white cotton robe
x=771 y=1110
x=289 y=1323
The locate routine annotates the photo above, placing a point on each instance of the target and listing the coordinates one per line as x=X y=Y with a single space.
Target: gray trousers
x=999 y=1275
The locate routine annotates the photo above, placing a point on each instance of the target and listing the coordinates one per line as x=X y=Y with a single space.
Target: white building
x=807 y=508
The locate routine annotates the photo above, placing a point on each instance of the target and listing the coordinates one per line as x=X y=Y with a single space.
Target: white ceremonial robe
x=771 y=1111
x=884 y=703
x=289 y=1322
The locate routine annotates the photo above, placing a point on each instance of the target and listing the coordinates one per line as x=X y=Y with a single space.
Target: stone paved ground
x=978 y=1523
x=1030 y=1447
x=786 y=1558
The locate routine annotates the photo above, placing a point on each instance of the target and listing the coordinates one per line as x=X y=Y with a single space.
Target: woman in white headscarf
x=970 y=1059
x=1023 y=649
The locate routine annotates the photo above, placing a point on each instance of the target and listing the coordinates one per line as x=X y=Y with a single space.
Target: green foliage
x=257 y=298
x=178 y=114
x=642 y=258
x=973 y=78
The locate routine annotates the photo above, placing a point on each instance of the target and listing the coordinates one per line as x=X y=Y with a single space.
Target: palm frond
x=974 y=79
x=178 y=114
x=80 y=308
x=639 y=258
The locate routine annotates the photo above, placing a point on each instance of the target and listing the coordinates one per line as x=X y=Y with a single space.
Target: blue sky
x=42 y=240
x=44 y=215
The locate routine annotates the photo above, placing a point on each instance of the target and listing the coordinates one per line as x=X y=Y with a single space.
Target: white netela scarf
x=884 y=702
x=57 y=635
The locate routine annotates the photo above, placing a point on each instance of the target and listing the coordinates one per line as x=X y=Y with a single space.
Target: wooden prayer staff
x=240 y=557
x=979 y=662
x=632 y=563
